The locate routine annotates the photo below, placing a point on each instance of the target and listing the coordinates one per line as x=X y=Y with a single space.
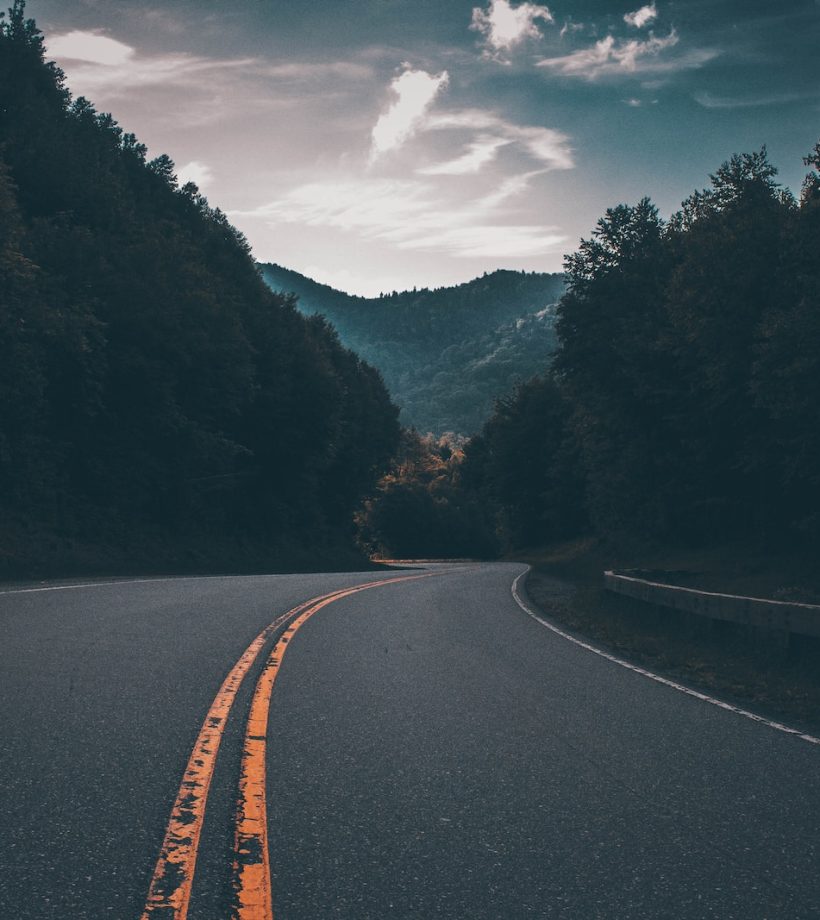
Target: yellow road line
x=170 y=890
x=252 y=879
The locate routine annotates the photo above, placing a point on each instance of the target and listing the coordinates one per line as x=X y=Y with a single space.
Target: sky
x=380 y=145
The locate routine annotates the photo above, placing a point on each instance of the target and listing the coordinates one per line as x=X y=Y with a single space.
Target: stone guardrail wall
x=784 y=616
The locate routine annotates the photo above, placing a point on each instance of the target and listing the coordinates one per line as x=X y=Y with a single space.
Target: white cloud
x=370 y=206
x=414 y=215
x=708 y=101
x=505 y=26
x=415 y=91
x=106 y=69
x=546 y=145
x=482 y=151
x=491 y=241
x=319 y=70
x=509 y=188
x=641 y=17
x=90 y=47
x=569 y=27
x=609 y=57
x=196 y=172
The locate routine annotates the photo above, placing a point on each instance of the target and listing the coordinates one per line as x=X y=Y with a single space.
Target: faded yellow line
x=170 y=890
x=252 y=880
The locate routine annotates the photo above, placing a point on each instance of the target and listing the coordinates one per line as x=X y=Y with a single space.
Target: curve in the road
x=697 y=694
x=252 y=878
x=169 y=894
x=173 y=876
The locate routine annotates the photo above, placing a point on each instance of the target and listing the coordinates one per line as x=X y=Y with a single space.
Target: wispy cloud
x=547 y=146
x=196 y=172
x=491 y=241
x=569 y=27
x=105 y=68
x=643 y=16
x=504 y=26
x=91 y=47
x=708 y=101
x=481 y=151
x=414 y=214
x=318 y=70
x=609 y=57
x=414 y=92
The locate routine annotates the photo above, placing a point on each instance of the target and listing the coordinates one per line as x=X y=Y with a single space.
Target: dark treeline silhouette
x=446 y=354
x=154 y=391
x=683 y=404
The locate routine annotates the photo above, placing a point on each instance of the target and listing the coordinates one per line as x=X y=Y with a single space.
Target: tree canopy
x=682 y=404
x=150 y=381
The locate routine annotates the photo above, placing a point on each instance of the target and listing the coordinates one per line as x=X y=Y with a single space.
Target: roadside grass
x=762 y=670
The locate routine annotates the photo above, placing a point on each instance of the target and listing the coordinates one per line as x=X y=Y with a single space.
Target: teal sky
x=385 y=144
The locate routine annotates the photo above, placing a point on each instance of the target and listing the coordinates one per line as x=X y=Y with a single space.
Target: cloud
x=413 y=214
x=491 y=241
x=641 y=17
x=505 y=26
x=196 y=172
x=415 y=91
x=608 y=57
x=91 y=47
x=708 y=101
x=319 y=70
x=105 y=68
x=569 y=27
x=546 y=145
x=482 y=151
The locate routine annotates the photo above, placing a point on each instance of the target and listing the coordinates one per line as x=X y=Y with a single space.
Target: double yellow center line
x=170 y=892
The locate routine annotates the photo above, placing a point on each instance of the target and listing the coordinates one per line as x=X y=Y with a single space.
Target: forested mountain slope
x=447 y=354
x=158 y=400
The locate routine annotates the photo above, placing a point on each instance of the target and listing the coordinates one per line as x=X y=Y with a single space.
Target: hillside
x=160 y=405
x=446 y=355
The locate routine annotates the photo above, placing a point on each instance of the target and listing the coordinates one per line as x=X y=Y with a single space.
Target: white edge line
x=141 y=581
x=111 y=584
x=703 y=697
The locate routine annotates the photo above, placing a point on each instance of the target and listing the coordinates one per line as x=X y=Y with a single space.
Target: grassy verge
x=751 y=668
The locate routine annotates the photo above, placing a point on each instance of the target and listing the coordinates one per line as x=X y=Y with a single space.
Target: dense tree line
x=420 y=508
x=446 y=354
x=149 y=380
x=684 y=401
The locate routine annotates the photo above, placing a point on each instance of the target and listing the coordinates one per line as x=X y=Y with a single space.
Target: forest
x=160 y=405
x=446 y=354
x=163 y=407
x=683 y=404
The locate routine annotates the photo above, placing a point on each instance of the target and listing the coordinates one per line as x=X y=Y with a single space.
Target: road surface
x=421 y=748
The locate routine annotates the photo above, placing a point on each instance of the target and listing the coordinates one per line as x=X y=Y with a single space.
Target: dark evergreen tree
x=150 y=381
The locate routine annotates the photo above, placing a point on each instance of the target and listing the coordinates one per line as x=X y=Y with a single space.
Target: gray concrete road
x=432 y=752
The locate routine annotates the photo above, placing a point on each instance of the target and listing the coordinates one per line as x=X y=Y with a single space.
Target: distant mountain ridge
x=447 y=354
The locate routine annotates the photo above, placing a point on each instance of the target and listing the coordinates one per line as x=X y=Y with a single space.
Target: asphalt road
x=432 y=752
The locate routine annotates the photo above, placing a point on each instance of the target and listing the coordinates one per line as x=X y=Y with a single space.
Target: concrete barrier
x=784 y=616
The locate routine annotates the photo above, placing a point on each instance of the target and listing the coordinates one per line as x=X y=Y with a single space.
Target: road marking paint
x=252 y=879
x=705 y=698
x=170 y=890
x=131 y=581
